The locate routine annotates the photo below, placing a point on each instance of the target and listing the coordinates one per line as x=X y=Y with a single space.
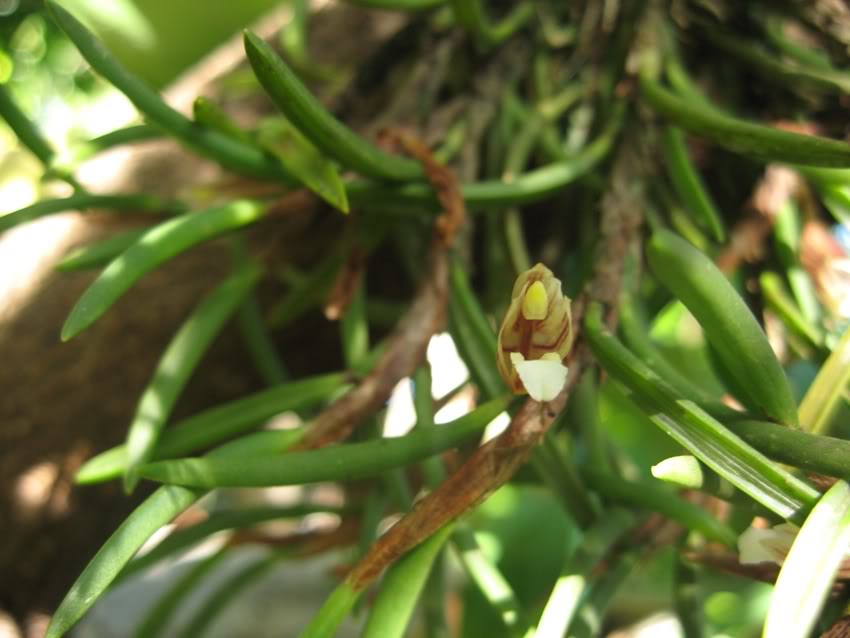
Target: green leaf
x=337 y=463
x=304 y=161
x=216 y=522
x=529 y=187
x=24 y=128
x=472 y=334
x=688 y=183
x=727 y=322
x=490 y=581
x=401 y=587
x=325 y=623
x=79 y=153
x=307 y=114
x=777 y=299
x=220 y=423
x=222 y=148
x=788 y=233
x=177 y=364
x=259 y=343
x=813 y=453
x=652 y=497
x=423 y=405
x=156 y=620
x=155 y=247
x=209 y=114
x=354 y=328
x=154 y=512
x=825 y=394
x=224 y=594
x=81 y=201
x=754 y=140
x=470 y=15
x=806 y=576
x=253 y=327
x=635 y=334
x=572 y=584
x=778 y=69
x=101 y=252
x=703 y=436
x=591 y=615
x=157 y=510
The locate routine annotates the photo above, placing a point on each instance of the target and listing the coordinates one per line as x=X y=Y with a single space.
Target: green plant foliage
x=728 y=324
x=817 y=553
x=218 y=424
x=176 y=366
x=356 y=460
x=401 y=589
x=314 y=121
x=155 y=247
x=677 y=169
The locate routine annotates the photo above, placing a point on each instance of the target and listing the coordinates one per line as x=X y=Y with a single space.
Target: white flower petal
x=543 y=380
x=769 y=545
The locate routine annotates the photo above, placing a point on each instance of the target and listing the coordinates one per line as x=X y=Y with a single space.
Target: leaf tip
x=69 y=329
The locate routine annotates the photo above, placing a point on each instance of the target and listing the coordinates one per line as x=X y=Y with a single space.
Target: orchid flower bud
x=536 y=336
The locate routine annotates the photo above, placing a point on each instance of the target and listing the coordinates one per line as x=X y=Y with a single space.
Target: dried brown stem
x=302 y=544
x=346 y=284
x=426 y=316
x=405 y=353
x=494 y=463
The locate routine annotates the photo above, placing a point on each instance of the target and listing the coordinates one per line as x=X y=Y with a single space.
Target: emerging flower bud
x=535 y=336
x=684 y=471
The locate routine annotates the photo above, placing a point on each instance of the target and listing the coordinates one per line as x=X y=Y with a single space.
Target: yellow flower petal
x=536 y=302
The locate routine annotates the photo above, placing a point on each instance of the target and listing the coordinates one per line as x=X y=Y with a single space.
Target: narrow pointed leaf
x=79 y=153
x=101 y=252
x=209 y=114
x=527 y=188
x=182 y=539
x=24 y=128
x=810 y=567
x=84 y=201
x=306 y=163
x=654 y=498
x=177 y=364
x=219 y=423
x=814 y=453
x=156 y=620
x=337 y=463
x=703 y=436
x=157 y=510
x=688 y=183
x=826 y=393
x=220 y=147
x=307 y=114
x=154 y=512
x=401 y=587
x=154 y=248
x=727 y=322
x=224 y=594
x=337 y=606
x=754 y=140
x=573 y=582
x=472 y=333
x=492 y=584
